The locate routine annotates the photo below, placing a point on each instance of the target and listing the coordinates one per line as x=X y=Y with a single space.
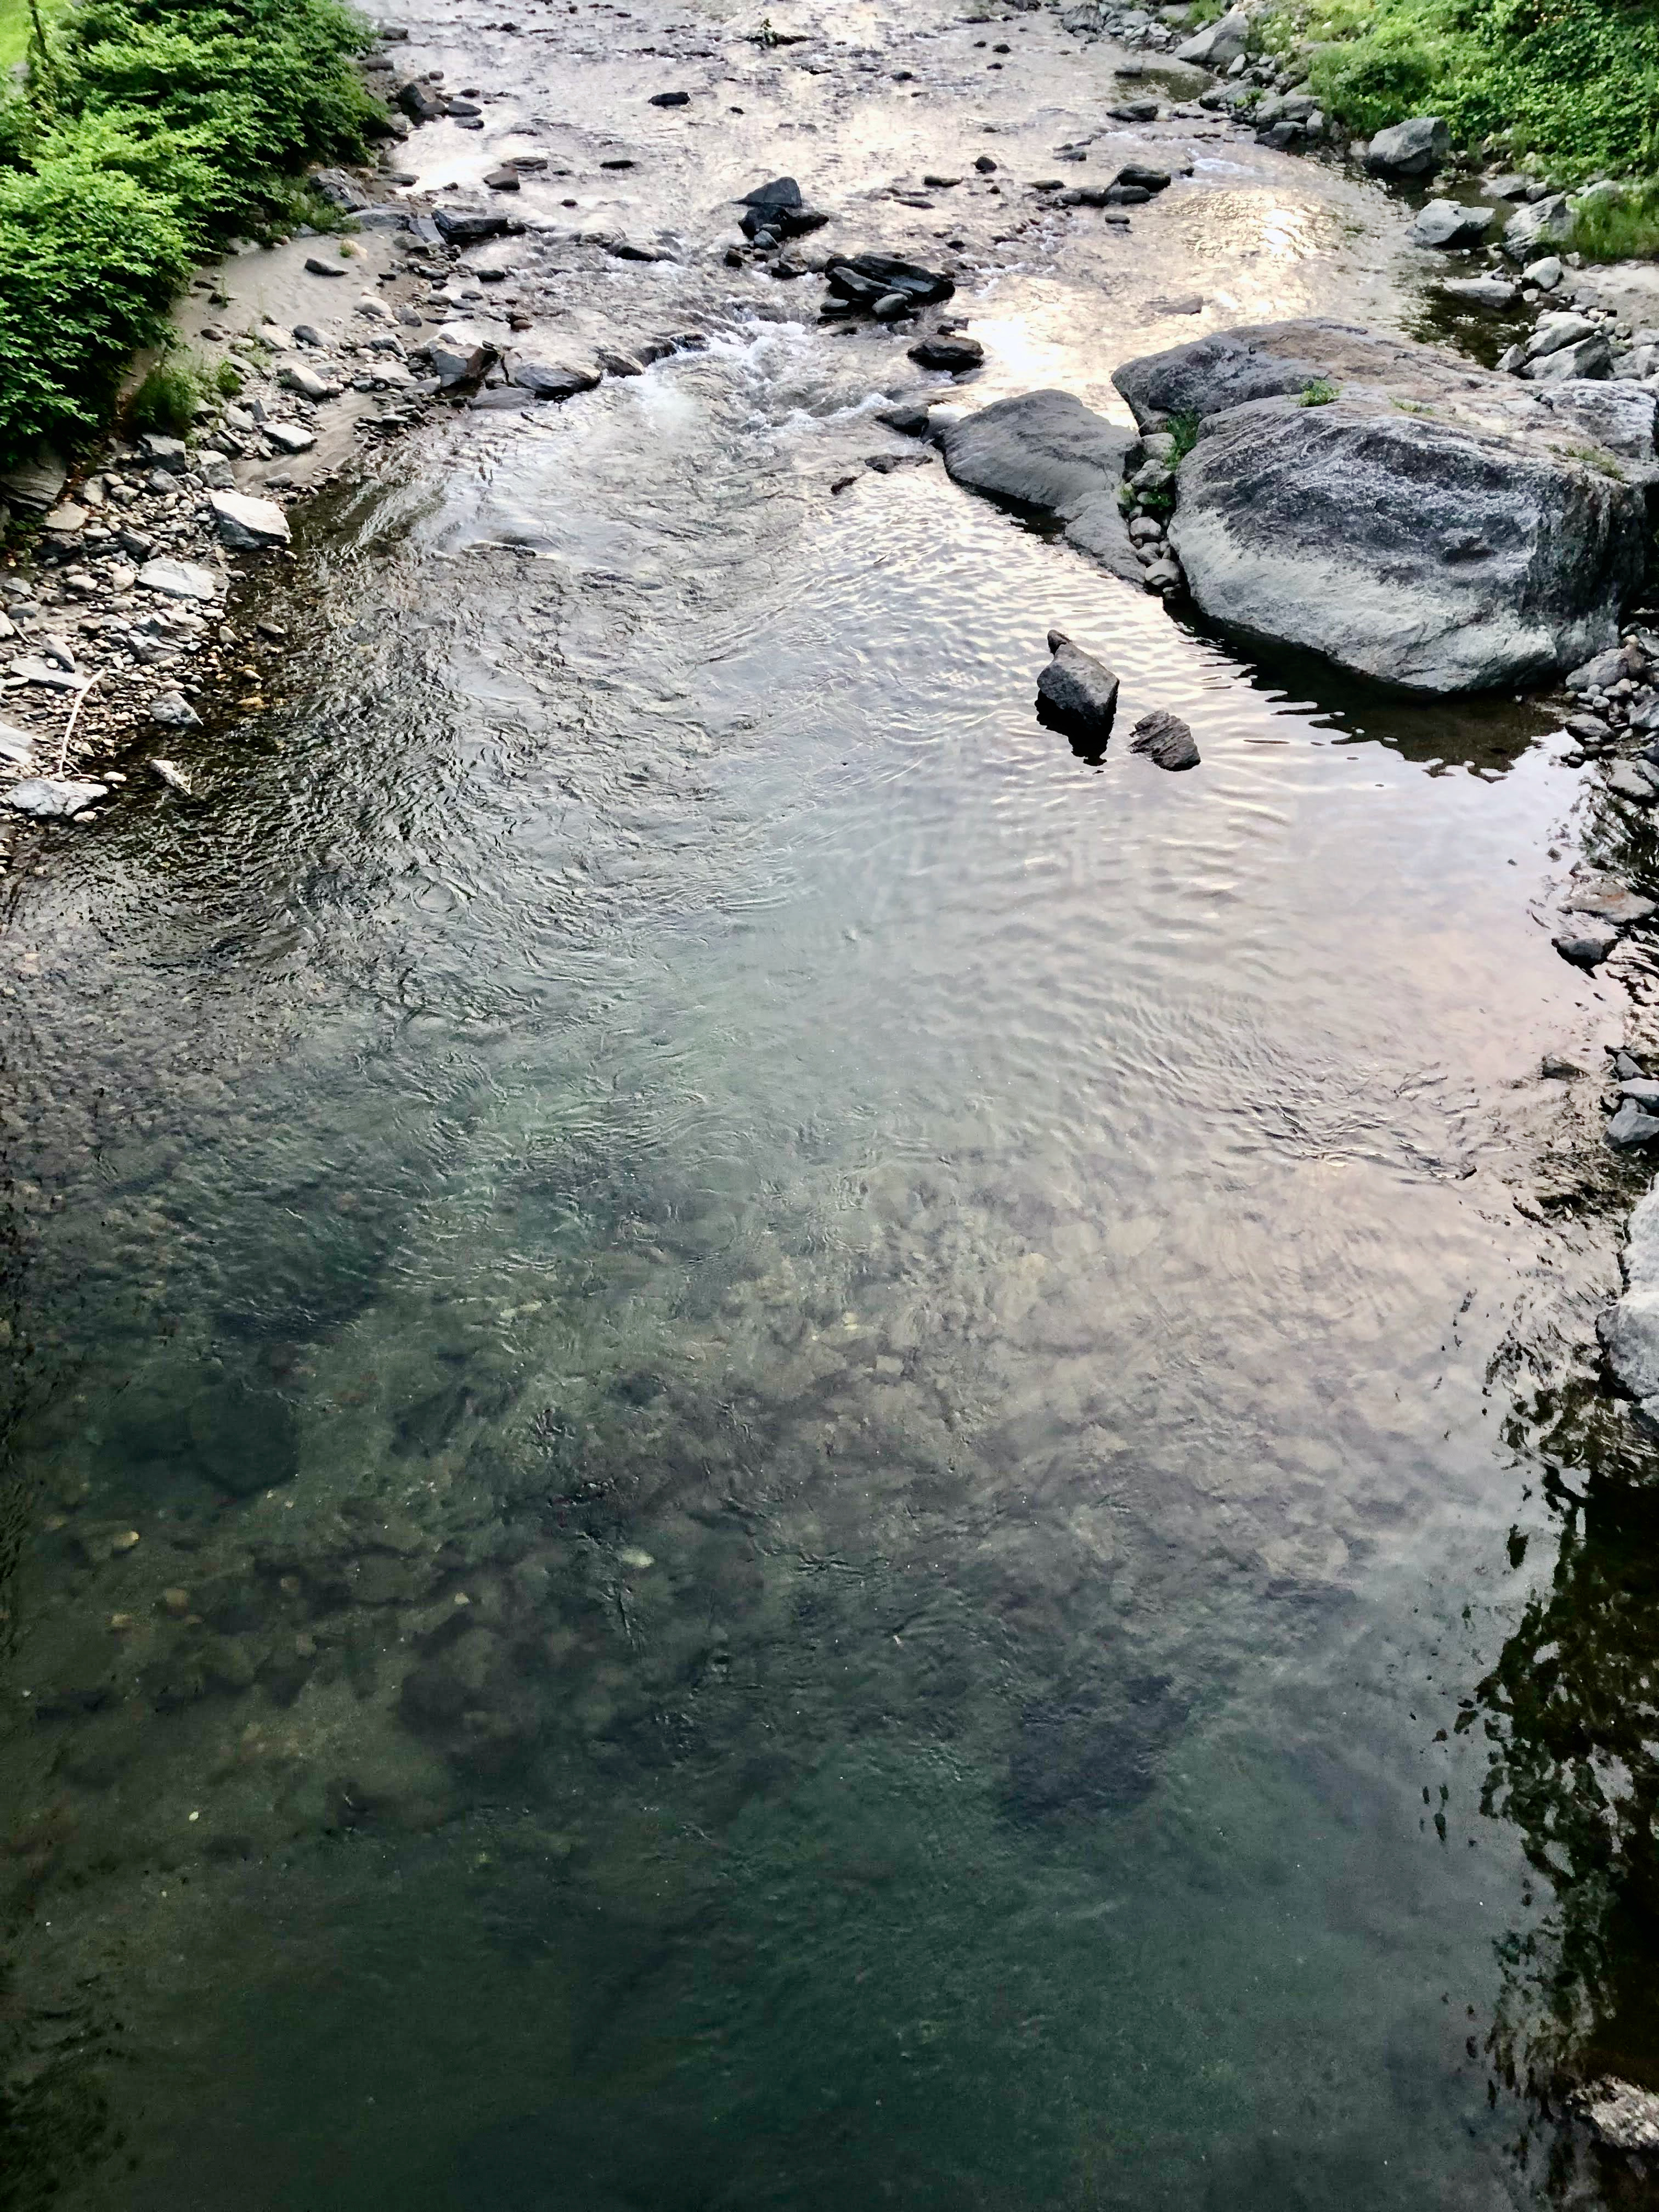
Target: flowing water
x=848 y=1438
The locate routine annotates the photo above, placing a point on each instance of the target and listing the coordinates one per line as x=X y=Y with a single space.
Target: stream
x=770 y=1447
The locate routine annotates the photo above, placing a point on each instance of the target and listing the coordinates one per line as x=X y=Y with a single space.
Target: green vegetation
x=1574 y=82
x=1184 y=429
x=148 y=132
x=176 y=389
x=1318 y=392
x=1620 y=226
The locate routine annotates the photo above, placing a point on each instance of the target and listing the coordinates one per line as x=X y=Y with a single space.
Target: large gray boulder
x=1540 y=223
x=1427 y=525
x=1219 y=45
x=1046 y=450
x=1416 y=149
x=1449 y=224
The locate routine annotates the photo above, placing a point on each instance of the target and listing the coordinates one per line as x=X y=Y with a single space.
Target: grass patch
x=1593 y=458
x=176 y=389
x=1184 y=429
x=153 y=131
x=1318 y=392
x=1575 y=82
x=1620 y=226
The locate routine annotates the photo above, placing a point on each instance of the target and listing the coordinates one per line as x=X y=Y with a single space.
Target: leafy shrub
x=1319 y=392
x=1576 y=82
x=160 y=128
x=1619 y=226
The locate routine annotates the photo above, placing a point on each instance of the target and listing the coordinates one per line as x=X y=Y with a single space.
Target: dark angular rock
x=458 y=228
x=1166 y=739
x=504 y=179
x=670 y=99
x=420 y=102
x=867 y=277
x=1144 y=179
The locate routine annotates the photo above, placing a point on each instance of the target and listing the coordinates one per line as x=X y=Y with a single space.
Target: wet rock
x=1606 y=897
x=1449 y=224
x=1584 y=940
x=458 y=228
x=1423 y=548
x=503 y=180
x=670 y=99
x=1102 y=196
x=247 y=523
x=1590 y=731
x=50 y=797
x=1630 y=1127
x=170 y=774
x=864 y=278
x=173 y=712
x=1630 y=1329
x=984 y=165
x=552 y=380
x=1078 y=691
x=1219 y=43
x=1133 y=110
x=887 y=464
x=421 y=102
x=1046 y=450
x=1415 y=148
x=1166 y=739
x=778 y=207
x=182 y=580
x=1095 y=1753
x=953 y=354
x=1626 y=2118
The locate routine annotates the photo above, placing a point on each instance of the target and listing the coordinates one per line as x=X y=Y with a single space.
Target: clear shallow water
x=827 y=1412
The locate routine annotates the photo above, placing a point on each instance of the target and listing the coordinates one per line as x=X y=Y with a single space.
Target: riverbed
x=775 y=1448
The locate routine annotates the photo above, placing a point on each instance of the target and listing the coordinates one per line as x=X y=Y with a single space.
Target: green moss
x=1574 y=81
x=1318 y=392
x=156 y=129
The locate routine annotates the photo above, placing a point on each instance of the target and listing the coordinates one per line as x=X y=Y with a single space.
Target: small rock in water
x=1585 y=942
x=1166 y=739
x=174 y=778
x=984 y=165
x=549 y=380
x=503 y=180
x=1634 y=780
x=174 y=711
x=1143 y=178
x=1496 y=292
x=953 y=354
x=50 y=797
x=1630 y=1127
x=1134 y=110
x=1078 y=691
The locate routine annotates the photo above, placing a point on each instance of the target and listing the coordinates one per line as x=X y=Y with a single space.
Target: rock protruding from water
x=1630 y=1330
x=953 y=354
x=1449 y=224
x=1047 y=451
x=1626 y=2118
x=1079 y=691
x=862 y=279
x=1166 y=739
x=778 y=210
x=1353 y=495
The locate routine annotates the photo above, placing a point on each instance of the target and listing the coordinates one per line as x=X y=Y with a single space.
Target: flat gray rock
x=1611 y=900
x=36 y=482
x=1633 y=780
x=248 y=523
x=1630 y=1330
x=290 y=437
x=181 y=580
x=17 y=746
x=553 y=380
x=1494 y=292
x=1046 y=450
x=1166 y=739
x=1413 y=523
x=50 y=797
x=174 y=711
